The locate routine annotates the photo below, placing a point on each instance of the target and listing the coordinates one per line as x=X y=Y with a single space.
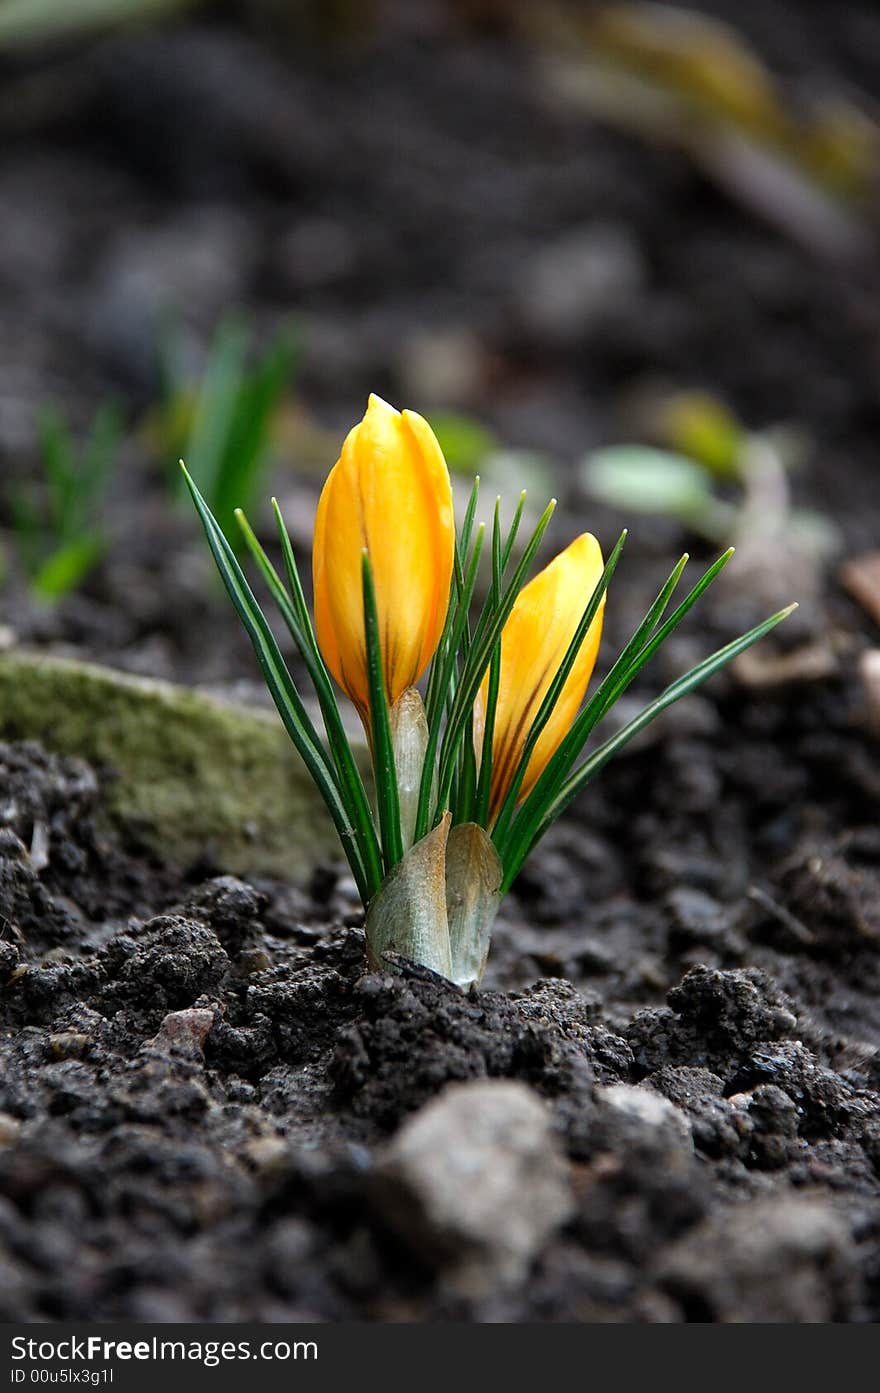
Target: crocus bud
x=534 y=642
x=389 y=492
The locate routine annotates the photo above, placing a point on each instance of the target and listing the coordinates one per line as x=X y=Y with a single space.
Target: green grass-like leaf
x=554 y=692
x=477 y=660
x=484 y=784
x=281 y=687
x=635 y=655
x=387 y=799
x=445 y=660
x=294 y=611
x=600 y=757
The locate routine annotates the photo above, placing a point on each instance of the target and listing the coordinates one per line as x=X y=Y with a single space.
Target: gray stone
x=185 y=1030
x=9 y=1129
x=647 y=1112
x=785 y=1260
x=192 y=775
x=476 y=1184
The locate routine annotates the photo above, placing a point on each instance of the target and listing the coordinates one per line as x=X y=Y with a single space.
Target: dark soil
x=199 y=1078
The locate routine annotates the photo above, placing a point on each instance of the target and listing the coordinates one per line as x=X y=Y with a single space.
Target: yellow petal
x=389 y=492
x=534 y=642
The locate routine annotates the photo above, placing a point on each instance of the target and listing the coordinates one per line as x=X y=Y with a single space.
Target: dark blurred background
x=550 y=227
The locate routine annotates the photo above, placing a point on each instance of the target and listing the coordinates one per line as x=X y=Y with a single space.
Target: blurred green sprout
x=25 y=22
x=466 y=443
x=656 y=481
x=223 y=423
x=712 y=475
x=57 y=520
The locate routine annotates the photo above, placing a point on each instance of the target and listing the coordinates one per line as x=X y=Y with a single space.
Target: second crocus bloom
x=388 y=493
x=534 y=643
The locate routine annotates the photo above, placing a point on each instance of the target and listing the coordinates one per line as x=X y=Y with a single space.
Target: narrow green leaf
x=497 y=562
x=281 y=686
x=387 y=798
x=674 y=692
x=436 y=693
x=446 y=675
x=514 y=529
x=484 y=785
x=479 y=658
x=276 y=585
x=480 y=812
x=637 y=652
x=619 y=683
x=554 y=691
x=464 y=798
x=293 y=578
x=455 y=632
x=350 y=781
x=469 y=515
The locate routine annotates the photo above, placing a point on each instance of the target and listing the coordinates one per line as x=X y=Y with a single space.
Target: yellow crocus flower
x=534 y=642
x=389 y=493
